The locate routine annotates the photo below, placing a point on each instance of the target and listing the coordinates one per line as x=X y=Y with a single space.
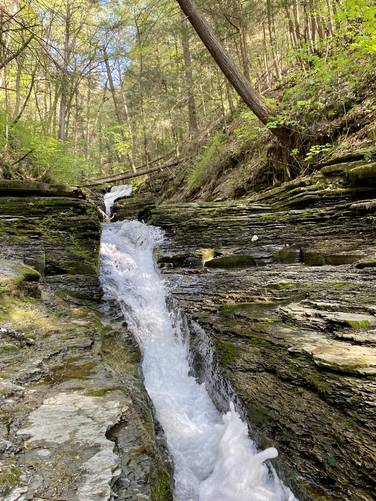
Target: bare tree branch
x=17 y=53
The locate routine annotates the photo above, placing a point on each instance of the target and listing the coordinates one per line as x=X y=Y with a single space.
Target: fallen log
x=129 y=175
x=137 y=168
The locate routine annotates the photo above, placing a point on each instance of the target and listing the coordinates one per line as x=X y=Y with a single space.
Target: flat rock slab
x=73 y=422
x=301 y=313
x=339 y=356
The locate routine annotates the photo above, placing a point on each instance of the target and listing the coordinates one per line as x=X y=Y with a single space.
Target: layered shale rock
x=283 y=287
x=75 y=421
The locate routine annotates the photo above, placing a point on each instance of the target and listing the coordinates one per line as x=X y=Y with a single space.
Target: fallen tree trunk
x=130 y=175
x=139 y=167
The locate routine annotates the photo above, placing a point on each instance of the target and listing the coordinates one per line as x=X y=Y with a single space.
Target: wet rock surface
x=75 y=421
x=284 y=287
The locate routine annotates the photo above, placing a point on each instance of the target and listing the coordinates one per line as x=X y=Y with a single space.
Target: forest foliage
x=90 y=88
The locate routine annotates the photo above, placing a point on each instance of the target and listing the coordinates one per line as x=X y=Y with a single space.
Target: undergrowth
x=26 y=153
x=332 y=110
x=207 y=162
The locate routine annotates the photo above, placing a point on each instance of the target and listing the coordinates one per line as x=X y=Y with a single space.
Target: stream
x=214 y=458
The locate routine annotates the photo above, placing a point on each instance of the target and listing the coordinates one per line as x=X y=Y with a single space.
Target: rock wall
x=75 y=421
x=284 y=285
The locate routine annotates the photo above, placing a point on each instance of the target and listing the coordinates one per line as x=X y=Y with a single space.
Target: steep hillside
x=238 y=156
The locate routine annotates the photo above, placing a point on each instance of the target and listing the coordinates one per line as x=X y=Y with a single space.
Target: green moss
x=337 y=284
x=250 y=310
x=233 y=261
x=5 y=287
x=120 y=356
x=259 y=341
x=363 y=175
x=8 y=347
x=16 y=283
x=9 y=476
x=228 y=352
x=77 y=258
x=358 y=325
x=273 y=217
x=281 y=285
x=258 y=415
x=352 y=424
x=353 y=368
x=72 y=369
x=209 y=254
x=29 y=314
x=207 y=162
x=323 y=256
x=149 y=424
x=162 y=489
x=228 y=310
x=317 y=381
x=71 y=233
x=28 y=274
x=98 y=392
x=287 y=255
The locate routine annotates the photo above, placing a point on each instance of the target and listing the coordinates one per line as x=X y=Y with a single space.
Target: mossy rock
x=317 y=258
x=363 y=175
x=284 y=284
x=368 y=262
x=234 y=261
x=249 y=310
x=70 y=369
x=287 y=255
x=28 y=274
x=20 y=279
x=82 y=295
x=259 y=416
x=99 y=392
x=38 y=189
x=358 y=325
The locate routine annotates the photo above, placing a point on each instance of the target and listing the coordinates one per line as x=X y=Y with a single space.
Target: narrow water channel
x=214 y=458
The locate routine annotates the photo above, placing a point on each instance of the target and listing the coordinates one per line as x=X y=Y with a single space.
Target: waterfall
x=122 y=191
x=214 y=458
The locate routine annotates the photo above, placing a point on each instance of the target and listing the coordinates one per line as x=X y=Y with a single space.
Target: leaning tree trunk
x=229 y=68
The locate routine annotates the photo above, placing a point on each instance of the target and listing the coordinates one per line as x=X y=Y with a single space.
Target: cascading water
x=121 y=191
x=214 y=458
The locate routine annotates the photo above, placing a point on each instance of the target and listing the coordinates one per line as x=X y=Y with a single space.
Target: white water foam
x=214 y=458
x=122 y=191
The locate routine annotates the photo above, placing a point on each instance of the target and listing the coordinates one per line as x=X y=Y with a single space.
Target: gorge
x=274 y=300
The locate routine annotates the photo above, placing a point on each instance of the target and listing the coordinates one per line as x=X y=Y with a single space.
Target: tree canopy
x=91 y=88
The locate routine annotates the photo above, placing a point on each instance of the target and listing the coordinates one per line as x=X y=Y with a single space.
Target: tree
x=143 y=100
x=229 y=68
x=192 y=114
x=120 y=106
